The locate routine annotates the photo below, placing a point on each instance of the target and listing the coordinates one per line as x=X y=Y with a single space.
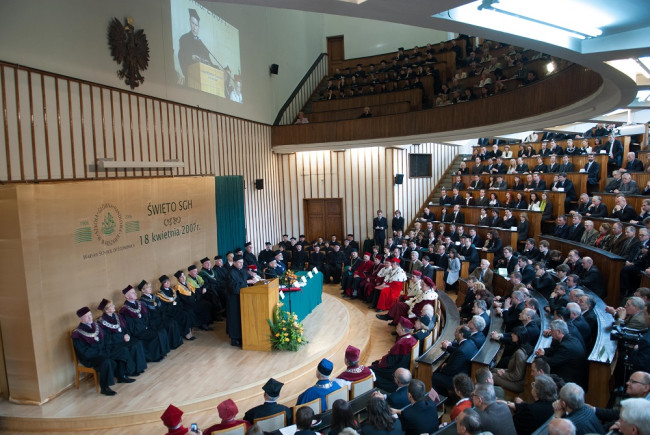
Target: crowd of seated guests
x=405 y=71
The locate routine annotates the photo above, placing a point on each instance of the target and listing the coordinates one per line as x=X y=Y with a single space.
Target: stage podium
x=257 y=305
x=206 y=78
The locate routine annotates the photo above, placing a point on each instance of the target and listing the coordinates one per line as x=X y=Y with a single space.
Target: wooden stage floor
x=200 y=374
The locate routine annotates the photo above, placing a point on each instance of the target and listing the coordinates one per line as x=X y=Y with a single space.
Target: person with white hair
x=635 y=417
x=571 y=405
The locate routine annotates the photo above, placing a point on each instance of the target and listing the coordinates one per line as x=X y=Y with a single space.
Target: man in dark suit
x=577 y=229
x=457 y=216
x=444 y=198
x=614 y=149
x=566 y=356
x=566 y=186
x=495 y=416
x=398 y=399
x=597 y=208
x=566 y=165
x=509 y=261
x=482 y=200
x=421 y=416
x=592 y=169
x=538 y=183
x=476 y=239
x=526 y=270
x=270 y=406
x=380 y=225
x=476 y=183
x=478 y=167
x=495 y=220
x=561 y=228
x=511 y=310
x=499 y=167
x=633 y=164
x=543 y=282
x=458 y=184
x=458 y=362
x=553 y=166
x=427 y=268
x=456 y=198
x=622 y=211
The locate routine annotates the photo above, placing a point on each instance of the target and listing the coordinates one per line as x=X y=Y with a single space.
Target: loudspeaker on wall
x=399 y=178
x=274 y=68
x=259 y=184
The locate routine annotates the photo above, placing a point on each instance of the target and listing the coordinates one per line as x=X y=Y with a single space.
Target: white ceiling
x=627 y=36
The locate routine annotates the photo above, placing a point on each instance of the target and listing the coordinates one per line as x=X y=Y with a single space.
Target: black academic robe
x=160 y=321
x=237 y=281
x=171 y=308
x=266 y=409
x=137 y=325
x=92 y=351
x=114 y=328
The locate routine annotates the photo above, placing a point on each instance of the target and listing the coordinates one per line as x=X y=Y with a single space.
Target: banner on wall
x=155 y=214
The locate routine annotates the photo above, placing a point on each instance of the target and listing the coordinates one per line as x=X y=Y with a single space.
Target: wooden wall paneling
x=5 y=152
x=95 y=120
x=19 y=123
x=11 y=123
x=44 y=154
x=87 y=152
x=37 y=112
x=76 y=134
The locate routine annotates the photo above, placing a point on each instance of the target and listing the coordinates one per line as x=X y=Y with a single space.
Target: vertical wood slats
x=363 y=177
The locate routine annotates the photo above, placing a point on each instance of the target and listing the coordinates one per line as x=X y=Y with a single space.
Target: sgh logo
x=108 y=224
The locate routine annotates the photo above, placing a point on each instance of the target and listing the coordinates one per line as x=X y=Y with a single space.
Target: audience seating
x=357 y=388
x=435 y=356
x=240 y=429
x=579 y=179
x=488 y=352
x=415 y=354
x=314 y=405
x=272 y=422
x=414 y=96
x=355 y=112
x=341 y=393
x=357 y=405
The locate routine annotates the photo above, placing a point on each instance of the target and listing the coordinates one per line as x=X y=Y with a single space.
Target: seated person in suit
x=270 y=406
x=633 y=164
x=540 y=167
x=398 y=399
x=422 y=416
x=494 y=416
x=227 y=412
x=571 y=406
x=566 y=356
x=323 y=386
x=458 y=362
x=566 y=165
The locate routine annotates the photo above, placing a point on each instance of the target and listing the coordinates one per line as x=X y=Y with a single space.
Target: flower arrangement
x=288 y=278
x=286 y=331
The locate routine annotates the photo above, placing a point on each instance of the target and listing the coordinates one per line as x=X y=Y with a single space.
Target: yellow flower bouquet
x=286 y=331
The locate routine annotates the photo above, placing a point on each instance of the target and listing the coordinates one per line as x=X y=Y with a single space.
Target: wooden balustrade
x=556 y=91
x=413 y=96
x=355 y=112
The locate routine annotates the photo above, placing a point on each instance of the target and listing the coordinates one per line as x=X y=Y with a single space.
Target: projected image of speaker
x=399 y=178
x=259 y=184
x=274 y=68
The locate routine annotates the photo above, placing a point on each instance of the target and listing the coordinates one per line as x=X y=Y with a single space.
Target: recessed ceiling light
x=356 y=2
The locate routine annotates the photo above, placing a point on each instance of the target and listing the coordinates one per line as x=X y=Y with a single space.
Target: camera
x=194 y=427
x=626 y=336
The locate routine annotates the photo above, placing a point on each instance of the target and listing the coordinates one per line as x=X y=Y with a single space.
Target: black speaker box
x=274 y=68
x=259 y=184
x=399 y=178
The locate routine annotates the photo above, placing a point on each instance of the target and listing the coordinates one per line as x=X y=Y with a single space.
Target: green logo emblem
x=108 y=225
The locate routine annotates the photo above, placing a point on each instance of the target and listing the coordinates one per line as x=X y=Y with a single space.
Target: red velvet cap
x=368 y=254
x=352 y=354
x=252 y=267
x=172 y=416
x=428 y=281
x=397 y=260
x=416 y=273
x=406 y=323
x=227 y=409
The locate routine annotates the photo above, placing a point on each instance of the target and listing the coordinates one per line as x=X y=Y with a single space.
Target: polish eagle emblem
x=130 y=49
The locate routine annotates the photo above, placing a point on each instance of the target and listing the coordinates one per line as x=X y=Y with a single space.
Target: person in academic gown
x=116 y=337
x=171 y=308
x=399 y=356
x=237 y=279
x=157 y=318
x=270 y=406
x=137 y=325
x=92 y=351
x=190 y=300
x=323 y=386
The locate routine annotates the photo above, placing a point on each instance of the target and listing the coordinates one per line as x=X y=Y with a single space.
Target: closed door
x=323 y=218
x=335 y=51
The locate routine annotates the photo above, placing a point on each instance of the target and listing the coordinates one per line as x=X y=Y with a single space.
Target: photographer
x=631 y=315
x=640 y=358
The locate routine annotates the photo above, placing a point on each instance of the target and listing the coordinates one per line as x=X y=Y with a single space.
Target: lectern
x=206 y=78
x=257 y=305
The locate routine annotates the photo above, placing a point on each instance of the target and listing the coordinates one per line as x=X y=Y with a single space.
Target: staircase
x=445 y=181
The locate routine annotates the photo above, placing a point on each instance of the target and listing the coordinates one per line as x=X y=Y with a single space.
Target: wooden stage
x=200 y=374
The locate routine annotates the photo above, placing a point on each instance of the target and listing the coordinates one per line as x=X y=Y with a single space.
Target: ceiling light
x=356 y=2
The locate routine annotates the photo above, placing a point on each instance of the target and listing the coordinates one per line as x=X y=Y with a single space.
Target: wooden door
x=335 y=51
x=323 y=218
